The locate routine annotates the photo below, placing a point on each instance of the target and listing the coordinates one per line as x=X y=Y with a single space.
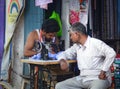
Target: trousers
x=73 y=83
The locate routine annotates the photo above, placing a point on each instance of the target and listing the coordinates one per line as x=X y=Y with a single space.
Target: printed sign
x=14 y=9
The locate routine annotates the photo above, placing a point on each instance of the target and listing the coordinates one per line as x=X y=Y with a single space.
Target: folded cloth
x=58 y=54
x=36 y=57
x=50 y=55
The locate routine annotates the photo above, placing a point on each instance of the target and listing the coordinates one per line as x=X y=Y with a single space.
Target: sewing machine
x=45 y=48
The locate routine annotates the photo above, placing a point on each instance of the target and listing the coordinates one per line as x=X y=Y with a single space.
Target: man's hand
x=102 y=75
x=64 y=65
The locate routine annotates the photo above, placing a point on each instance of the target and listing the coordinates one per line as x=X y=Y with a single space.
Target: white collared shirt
x=92 y=57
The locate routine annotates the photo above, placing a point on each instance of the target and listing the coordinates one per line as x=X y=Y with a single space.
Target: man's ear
x=43 y=32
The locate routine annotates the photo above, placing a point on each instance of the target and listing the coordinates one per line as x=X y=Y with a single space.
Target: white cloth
x=43 y=3
x=92 y=57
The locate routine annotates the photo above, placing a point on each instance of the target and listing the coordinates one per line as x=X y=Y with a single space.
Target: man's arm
x=109 y=55
x=70 y=53
x=28 y=49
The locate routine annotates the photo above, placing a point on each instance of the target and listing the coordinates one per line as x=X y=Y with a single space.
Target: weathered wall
x=65 y=22
x=17 y=53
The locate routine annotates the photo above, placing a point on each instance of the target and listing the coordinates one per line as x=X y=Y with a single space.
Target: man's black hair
x=50 y=25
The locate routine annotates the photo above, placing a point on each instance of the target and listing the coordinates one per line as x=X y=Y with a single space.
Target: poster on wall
x=14 y=9
x=83 y=16
x=78 y=11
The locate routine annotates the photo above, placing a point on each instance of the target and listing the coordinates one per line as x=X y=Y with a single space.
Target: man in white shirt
x=94 y=59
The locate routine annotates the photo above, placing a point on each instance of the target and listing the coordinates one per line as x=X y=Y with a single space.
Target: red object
x=113 y=78
x=112 y=68
x=74 y=16
x=118 y=56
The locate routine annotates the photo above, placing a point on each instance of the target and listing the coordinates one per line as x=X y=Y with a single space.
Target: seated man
x=44 y=35
x=94 y=59
x=47 y=34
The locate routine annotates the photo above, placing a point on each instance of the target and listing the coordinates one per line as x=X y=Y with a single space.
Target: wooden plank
x=44 y=62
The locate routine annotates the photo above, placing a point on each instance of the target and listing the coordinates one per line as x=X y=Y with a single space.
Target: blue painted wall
x=2 y=28
x=33 y=17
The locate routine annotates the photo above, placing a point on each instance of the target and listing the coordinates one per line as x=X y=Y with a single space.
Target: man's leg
x=71 y=83
x=99 y=84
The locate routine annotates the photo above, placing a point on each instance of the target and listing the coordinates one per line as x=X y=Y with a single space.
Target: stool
x=54 y=74
x=57 y=76
x=25 y=80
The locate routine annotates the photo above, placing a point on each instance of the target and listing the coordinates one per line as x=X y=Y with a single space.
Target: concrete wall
x=65 y=22
x=18 y=46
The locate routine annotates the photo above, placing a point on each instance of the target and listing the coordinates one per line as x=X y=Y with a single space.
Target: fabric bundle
x=43 y=3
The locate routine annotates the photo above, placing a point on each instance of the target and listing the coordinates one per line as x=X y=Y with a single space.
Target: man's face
x=49 y=36
x=75 y=37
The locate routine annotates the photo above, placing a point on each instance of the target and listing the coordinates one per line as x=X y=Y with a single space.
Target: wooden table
x=44 y=62
x=41 y=64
